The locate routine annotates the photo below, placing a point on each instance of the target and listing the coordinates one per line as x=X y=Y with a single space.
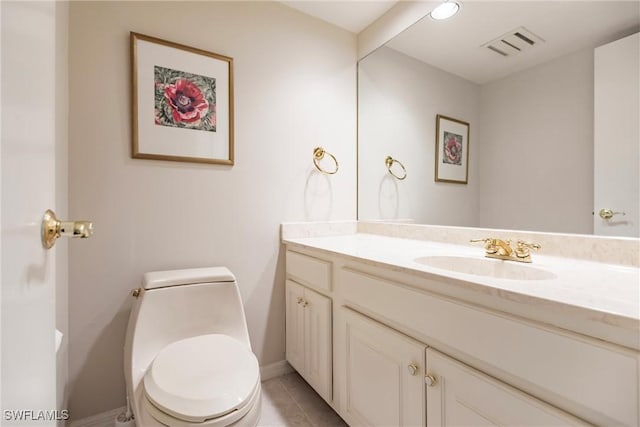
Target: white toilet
x=187 y=356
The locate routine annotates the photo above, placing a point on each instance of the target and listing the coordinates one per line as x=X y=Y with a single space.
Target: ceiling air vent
x=513 y=42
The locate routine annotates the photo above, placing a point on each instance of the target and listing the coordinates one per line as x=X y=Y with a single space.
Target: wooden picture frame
x=181 y=102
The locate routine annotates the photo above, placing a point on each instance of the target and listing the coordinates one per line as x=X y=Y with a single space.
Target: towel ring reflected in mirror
x=318 y=155
x=389 y=161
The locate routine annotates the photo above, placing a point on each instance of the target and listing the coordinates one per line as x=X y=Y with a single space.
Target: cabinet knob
x=413 y=369
x=305 y=303
x=430 y=380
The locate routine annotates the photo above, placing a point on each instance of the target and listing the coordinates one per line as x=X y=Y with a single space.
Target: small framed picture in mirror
x=452 y=150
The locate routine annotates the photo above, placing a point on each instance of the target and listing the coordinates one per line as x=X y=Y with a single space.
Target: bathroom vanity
x=405 y=332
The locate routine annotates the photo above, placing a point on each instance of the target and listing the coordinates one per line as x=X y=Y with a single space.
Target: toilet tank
x=178 y=304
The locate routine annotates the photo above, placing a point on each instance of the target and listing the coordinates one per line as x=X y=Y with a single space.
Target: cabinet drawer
x=597 y=381
x=313 y=272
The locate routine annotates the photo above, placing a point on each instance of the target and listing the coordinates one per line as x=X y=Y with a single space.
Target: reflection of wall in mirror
x=536 y=160
x=530 y=164
x=399 y=98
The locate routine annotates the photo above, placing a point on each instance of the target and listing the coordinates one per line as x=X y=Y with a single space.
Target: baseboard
x=275 y=370
x=104 y=419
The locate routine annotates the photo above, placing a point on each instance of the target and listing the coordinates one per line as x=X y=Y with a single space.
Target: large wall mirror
x=553 y=121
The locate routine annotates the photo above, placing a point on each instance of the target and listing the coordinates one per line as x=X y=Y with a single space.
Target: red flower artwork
x=187 y=101
x=184 y=100
x=452 y=149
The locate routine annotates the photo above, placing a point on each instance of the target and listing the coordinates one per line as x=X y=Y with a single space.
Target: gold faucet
x=501 y=249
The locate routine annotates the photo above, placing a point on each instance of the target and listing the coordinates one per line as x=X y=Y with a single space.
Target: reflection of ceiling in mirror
x=457 y=45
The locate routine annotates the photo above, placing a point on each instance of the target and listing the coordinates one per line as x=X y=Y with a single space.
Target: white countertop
x=597 y=295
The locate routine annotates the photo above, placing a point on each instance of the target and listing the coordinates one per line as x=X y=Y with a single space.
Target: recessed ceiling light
x=445 y=10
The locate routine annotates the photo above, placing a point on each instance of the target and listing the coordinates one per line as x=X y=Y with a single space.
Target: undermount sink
x=486 y=267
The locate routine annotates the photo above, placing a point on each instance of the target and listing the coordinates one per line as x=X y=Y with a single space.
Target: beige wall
x=295 y=88
x=536 y=162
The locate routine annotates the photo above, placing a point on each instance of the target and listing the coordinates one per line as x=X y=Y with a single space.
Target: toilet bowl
x=188 y=359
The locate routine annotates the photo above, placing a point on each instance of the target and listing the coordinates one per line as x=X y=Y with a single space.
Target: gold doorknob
x=52 y=228
x=608 y=213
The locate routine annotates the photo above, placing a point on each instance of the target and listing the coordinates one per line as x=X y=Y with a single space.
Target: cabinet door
x=384 y=374
x=461 y=395
x=294 y=295
x=317 y=333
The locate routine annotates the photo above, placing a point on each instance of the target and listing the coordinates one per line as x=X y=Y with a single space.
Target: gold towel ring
x=318 y=154
x=389 y=161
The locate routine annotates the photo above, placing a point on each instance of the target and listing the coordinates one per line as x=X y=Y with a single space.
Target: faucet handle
x=486 y=240
x=523 y=248
x=491 y=244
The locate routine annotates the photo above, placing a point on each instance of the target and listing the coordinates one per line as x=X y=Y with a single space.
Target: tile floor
x=289 y=401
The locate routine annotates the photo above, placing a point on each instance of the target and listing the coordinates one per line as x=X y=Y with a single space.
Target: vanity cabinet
x=388 y=348
x=308 y=336
x=592 y=379
x=383 y=373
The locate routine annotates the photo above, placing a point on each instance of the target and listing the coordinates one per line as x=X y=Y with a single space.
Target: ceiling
x=352 y=15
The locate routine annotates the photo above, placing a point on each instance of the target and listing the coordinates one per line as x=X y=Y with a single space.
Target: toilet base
x=250 y=419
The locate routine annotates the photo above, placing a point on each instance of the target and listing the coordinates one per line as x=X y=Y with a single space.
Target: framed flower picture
x=182 y=102
x=452 y=150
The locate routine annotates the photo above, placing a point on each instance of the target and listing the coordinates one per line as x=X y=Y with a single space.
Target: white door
x=27 y=159
x=617 y=137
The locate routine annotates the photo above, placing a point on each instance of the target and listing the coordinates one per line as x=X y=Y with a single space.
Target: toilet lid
x=202 y=377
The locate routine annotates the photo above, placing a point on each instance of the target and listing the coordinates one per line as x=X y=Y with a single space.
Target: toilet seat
x=247 y=416
x=202 y=378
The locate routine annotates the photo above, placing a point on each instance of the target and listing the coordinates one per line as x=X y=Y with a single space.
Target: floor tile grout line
x=326 y=406
x=287 y=393
x=297 y=403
